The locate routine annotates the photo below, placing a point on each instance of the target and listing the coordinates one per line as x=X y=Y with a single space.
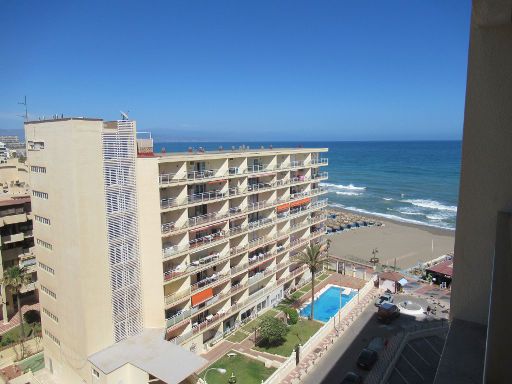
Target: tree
x=272 y=330
x=15 y=278
x=314 y=256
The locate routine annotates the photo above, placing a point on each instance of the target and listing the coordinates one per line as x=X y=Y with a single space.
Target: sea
x=409 y=181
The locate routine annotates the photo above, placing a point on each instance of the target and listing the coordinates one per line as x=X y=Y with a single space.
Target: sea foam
x=350 y=187
x=431 y=204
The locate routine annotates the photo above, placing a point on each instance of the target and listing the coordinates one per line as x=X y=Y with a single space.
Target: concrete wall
x=486 y=179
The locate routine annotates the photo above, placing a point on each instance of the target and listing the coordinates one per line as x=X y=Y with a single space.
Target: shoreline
x=375 y=216
x=406 y=244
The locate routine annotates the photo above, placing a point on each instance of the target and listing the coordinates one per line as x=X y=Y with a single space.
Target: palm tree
x=314 y=256
x=16 y=277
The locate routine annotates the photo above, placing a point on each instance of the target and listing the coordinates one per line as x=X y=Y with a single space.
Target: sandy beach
x=408 y=243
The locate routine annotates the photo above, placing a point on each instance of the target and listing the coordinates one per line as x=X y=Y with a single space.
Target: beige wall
x=76 y=208
x=148 y=201
x=486 y=179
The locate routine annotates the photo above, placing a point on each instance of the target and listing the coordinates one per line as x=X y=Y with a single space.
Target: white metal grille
x=119 y=152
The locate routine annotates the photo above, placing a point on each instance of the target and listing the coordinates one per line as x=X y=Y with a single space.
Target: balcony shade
x=283 y=207
x=300 y=202
x=202 y=296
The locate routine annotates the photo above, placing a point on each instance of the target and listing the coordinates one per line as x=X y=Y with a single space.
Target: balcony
x=208 y=281
x=170 y=178
x=206 y=196
x=208 y=239
x=320 y=161
x=208 y=218
x=195 y=266
x=204 y=174
x=320 y=176
x=260 y=223
x=260 y=168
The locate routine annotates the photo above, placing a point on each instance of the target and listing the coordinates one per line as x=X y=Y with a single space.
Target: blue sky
x=241 y=70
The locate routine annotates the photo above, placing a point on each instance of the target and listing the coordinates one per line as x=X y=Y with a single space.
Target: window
x=42 y=219
x=47 y=268
x=48 y=291
x=50 y=315
x=39 y=194
x=95 y=373
x=44 y=244
x=35 y=145
x=37 y=169
x=51 y=336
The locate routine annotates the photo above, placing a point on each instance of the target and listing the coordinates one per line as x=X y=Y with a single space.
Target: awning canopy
x=402 y=282
x=151 y=353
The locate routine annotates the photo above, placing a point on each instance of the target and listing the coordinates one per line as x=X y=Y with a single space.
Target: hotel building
x=138 y=248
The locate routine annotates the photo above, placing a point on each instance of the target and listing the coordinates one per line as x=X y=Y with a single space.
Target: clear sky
x=241 y=70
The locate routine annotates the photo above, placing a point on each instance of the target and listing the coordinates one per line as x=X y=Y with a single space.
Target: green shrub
x=272 y=331
x=291 y=315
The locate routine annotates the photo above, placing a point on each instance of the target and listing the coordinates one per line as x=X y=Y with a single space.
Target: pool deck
x=333 y=279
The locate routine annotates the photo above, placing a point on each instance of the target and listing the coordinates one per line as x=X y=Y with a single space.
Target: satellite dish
x=124 y=116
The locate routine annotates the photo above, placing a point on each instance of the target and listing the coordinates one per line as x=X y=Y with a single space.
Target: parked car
x=388 y=312
x=385 y=298
x=367 y=359
x=352 y=378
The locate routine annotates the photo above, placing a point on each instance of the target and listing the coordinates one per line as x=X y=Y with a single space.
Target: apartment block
x=166 y=252
x=16 y=239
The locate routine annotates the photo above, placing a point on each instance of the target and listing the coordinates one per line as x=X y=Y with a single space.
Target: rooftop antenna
x=24 y=103
x=124 y=115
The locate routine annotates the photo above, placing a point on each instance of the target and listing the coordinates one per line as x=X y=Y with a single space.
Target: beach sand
x=408 y=243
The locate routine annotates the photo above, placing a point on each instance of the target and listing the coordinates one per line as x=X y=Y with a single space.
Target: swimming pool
x=328 y=303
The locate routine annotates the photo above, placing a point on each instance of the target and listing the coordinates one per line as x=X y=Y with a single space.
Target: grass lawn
x=246 y=370
x=34 y=363
x=297 y=333
x=12 y=336
x=249 y=327
x=237 y=337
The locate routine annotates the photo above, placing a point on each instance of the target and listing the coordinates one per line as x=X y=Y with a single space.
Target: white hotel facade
x=160 y=254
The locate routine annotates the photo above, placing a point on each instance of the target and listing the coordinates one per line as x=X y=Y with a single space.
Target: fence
x=308 y=347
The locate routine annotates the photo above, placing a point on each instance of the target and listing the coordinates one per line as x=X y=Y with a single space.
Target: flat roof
x=236 y=153
x=62 y=119
x=12 y=200
x=151 y=353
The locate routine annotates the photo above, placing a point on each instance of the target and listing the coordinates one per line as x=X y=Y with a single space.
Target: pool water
x=328 y=304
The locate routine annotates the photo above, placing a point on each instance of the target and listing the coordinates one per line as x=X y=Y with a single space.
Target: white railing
x=209 y=217
x=205 y=174
x=169 y=178
x=206 y=196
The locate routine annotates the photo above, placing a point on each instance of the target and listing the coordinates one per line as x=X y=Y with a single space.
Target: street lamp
x=374 y=260
x=220 y=370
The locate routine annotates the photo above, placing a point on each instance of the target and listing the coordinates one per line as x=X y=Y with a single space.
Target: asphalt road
x=342 y=357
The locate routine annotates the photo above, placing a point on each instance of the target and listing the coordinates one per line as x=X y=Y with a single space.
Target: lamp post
x=220 y=370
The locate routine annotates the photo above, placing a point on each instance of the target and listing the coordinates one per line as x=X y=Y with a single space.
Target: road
x=343 y=355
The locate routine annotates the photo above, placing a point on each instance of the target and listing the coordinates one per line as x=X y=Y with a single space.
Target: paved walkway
x=14 y=321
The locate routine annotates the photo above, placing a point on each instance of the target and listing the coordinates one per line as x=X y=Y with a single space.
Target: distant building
x=16 y=239
x=4 y=152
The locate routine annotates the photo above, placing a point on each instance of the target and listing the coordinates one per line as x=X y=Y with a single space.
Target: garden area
x=245 y=370
x=288 y=337
x=31 y=327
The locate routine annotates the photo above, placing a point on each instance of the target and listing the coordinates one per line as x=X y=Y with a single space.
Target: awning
x=300 y=202
x=202 y=296
x=216 y=181
x=283 y=207
x=402 y=282
x=151 y=353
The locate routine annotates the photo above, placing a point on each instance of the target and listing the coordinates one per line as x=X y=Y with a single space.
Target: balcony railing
x=205 y=174
x=171 y=250
x=209 y=217
x=321 y=161
x=196 y=265
x=320 y=175
x=206 y=196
